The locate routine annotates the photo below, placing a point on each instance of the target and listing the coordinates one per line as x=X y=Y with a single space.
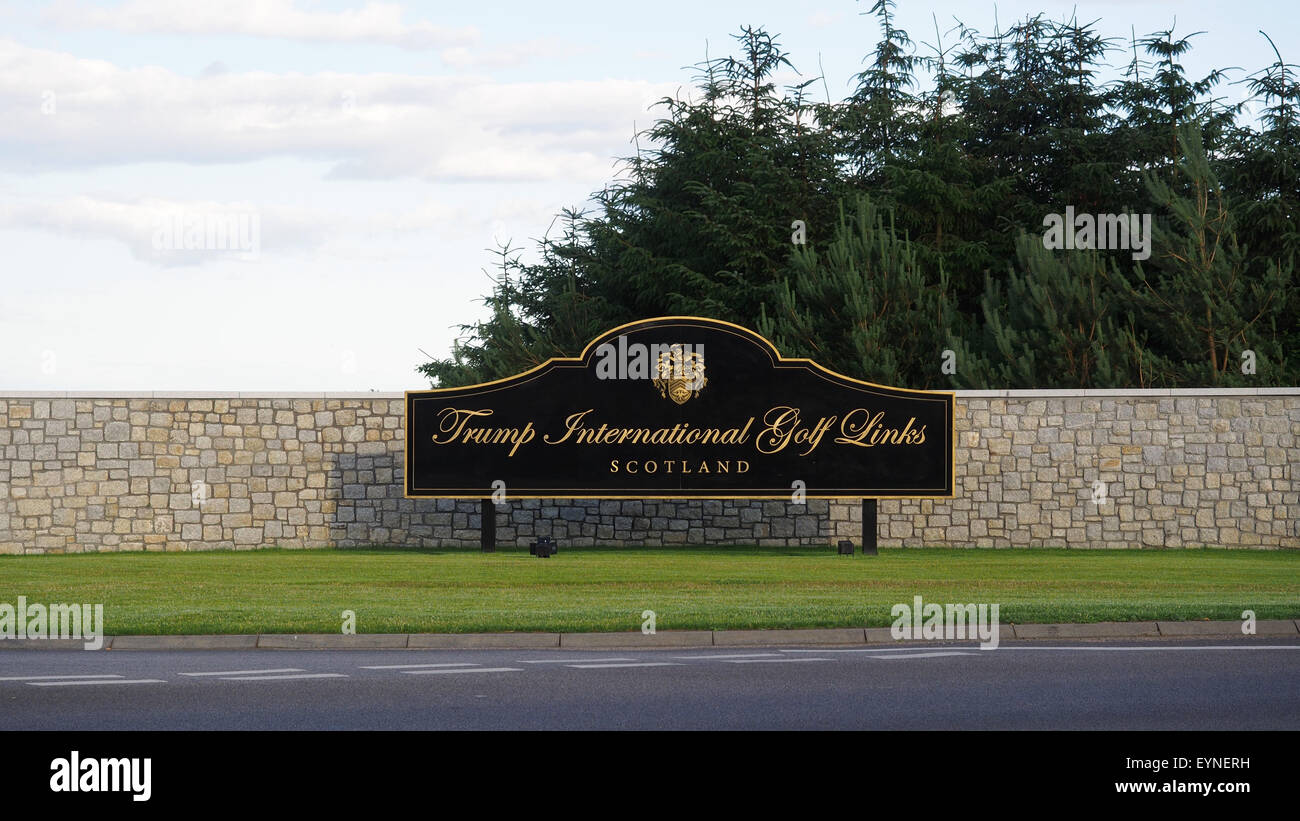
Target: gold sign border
x=583 y=360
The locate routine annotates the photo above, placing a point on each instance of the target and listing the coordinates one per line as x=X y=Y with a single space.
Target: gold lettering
x=818 y=431
x=453 y=423
x=571 y=424
x=868 y=431
x=781 y=422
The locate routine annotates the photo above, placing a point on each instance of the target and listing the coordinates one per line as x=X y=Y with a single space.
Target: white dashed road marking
x=926 y=655
x=283 y=678
x=414 y=666
x=1179 y=647
x=465 y=670
x=38 y=678
x=1097 y=648
x=246 y=672
x=773 y=661
x=635 y=664
x=566 y=661
x=733 y=656
x=857 y=650
x=99 y=681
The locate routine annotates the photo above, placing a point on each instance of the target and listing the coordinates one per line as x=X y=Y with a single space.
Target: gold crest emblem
x=680 y=374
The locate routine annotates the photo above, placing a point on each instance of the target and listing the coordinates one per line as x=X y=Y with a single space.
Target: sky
x=286 y=195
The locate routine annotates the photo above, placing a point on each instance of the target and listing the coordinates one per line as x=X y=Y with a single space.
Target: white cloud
x=155 y=230
x=62 y=111
x=510 y=56
x=373 y=22
x=821 y=19
x=145 y=225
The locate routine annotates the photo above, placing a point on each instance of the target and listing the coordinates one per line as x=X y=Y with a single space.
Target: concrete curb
x=884 y=635
x=637 y=640
x=625 y=641
x=48 y=644
x=482 y=641
x=1221 y=628
x=184 y=643
x=763 y=638
x=333 y=641
x=1098 y=630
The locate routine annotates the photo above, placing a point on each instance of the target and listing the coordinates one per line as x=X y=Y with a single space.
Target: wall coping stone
x=961 y=394
x=198 y=395
x=1127 y=392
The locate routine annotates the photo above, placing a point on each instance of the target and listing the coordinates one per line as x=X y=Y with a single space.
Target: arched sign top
x=679 y=407
x=758 y=339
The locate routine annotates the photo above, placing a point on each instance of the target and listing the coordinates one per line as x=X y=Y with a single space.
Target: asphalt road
x=1243 y=684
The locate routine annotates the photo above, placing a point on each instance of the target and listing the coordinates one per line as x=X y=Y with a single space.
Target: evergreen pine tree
x=1051 y=323
x=1209 y=299
x=865 y=306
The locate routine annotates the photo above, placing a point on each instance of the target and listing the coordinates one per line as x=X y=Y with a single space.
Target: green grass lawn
x=606 y=589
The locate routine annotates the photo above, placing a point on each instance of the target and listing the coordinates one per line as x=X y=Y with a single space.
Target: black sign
x=679 y=407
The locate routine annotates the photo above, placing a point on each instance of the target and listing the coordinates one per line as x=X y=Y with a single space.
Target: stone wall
x=1179 y=468
x=85 y=473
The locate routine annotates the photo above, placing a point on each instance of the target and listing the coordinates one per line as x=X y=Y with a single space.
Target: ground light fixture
x=543 y=548
x=846 y=547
